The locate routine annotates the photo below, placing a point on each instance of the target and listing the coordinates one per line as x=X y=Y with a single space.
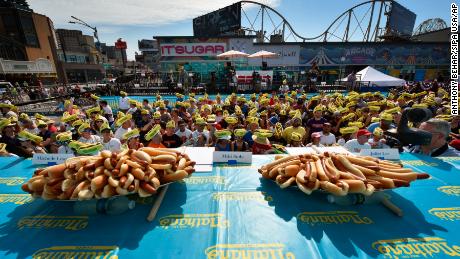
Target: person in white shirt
x=361 y=141
x=377 y=141
x=107 y=111
x=86 y=135
x=326 y=137
x=125 y=127
x=123 y=103
x=109 y=143
x=183 y=132
x=63 y=139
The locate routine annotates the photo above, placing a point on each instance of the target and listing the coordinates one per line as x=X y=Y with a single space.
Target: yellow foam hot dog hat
x=393 y=110
x=240 y=132
x=67 y=117
x=171 y=124
x=93 y=109
x=4 y=123
x=95 y=97
x=374 y=108
x=29 y=136
x=105 y=126
x=278 y=130
x=223 y=134
x=231 y=120
x=200 y=121
x=2 y=147
x=386 y=116
x=356 y=124
x=348 y=130
x=378 y=132
x=296 y=136
x=64 y=136
x=131 y=134
x=88 y=149
x=83 y=127
x=252 y=120
x=263 y=133
x=123 y=119
x=152 y=132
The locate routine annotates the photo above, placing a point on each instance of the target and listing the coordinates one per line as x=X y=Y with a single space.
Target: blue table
x=232 y=212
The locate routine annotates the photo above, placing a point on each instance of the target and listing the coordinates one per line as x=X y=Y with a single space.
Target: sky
x=133 y=20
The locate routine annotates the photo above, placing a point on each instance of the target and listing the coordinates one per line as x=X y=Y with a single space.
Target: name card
x=384 y=153
x=49 y=159
x=232 y=157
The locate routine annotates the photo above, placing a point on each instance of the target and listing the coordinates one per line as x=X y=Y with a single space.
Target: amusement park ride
x=370 y=21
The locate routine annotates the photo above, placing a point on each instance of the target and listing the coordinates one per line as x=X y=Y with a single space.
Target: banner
x=192 y=49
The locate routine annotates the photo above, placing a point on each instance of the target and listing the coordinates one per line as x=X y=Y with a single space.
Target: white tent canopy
x=376 y=78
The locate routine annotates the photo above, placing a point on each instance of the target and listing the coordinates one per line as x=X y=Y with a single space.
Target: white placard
x=384 y=153
x=232 y=157
x=45 y=159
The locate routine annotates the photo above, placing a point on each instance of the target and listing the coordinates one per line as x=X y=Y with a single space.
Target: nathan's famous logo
x=11 y=181
x=419 y=163
x=229 y=251
x=204 y=180
x=47 y=222
x=241 y=196
x=446 y=213
x=332 y=217
x=194 y=221
x=15 y=198
x=450 y=190
x=106 y=252
x=416 y=247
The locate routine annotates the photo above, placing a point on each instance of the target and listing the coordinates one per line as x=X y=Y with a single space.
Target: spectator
x=361 y=142
x=326 y=137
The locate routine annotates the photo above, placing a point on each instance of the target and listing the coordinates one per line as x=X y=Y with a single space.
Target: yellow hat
x=67 y=117
x=95 y=97
x=240 y=132
x=316 y=97
x=24 y=116
x=348 y=130
x=200 y=121
x=297 y=115
x=123 y=119
x=349 y=104
x=77 y=123
x=67 y=103
x=41 y=123
x=264 y=101
x=374 y=108
x=283 y=112
x=132 y=102
x=122 y=93
x=25 y=135
x=318 y=108
x=378 y=132
x=390 y=104
x=386 y=116
x=145 y=112
x=104 y=126
x=262 y=134
x=419 y=105
x=6 y=105
x=171 y=124
x=5 y=122
x=211 y=118
x=39 y=116
x=152 y=132
x=131 y=134
x=93 y=109
x=252 y=120
x=2 y=147
x=238 y=110
x=355 y=124
x=348 y=116
x=375 y=119
x=263 y=113
x=83 y=127
x=296 y=136
x=157 y=115
x=393 y=110
x=252 y=112
x=223 y=134
x=88 y=149
x=64 y=136
x=225 y=113
x=231 y=120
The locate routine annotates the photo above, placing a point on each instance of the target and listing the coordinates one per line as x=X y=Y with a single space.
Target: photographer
x=440 y=130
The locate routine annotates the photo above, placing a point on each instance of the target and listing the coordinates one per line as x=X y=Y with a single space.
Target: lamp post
x=81 y=22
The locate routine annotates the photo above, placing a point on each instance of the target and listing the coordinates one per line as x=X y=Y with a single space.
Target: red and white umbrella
x=263 y=54
x=233 y=54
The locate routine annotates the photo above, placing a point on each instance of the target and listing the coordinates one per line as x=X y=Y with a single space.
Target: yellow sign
x=11 y=181
x=229 y=251
x=15 y=198
x=106 y=252
x=72 y=223
x=332 y=217
x=446 y=213
x=450 y=190
x=194 y=221
x=204 y=180
x=416 y=247
x=241 y=196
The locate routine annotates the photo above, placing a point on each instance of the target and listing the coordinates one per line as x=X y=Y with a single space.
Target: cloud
x=130 y=12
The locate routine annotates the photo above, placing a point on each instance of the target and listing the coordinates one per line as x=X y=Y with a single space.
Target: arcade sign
x=192 y=49
x=120 y=44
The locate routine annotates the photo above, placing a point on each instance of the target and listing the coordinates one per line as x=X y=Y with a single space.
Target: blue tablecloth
x=232 y=212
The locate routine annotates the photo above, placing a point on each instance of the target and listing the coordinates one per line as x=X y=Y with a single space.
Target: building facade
x=27 y=41
x=79 y=58
x=149 y=54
